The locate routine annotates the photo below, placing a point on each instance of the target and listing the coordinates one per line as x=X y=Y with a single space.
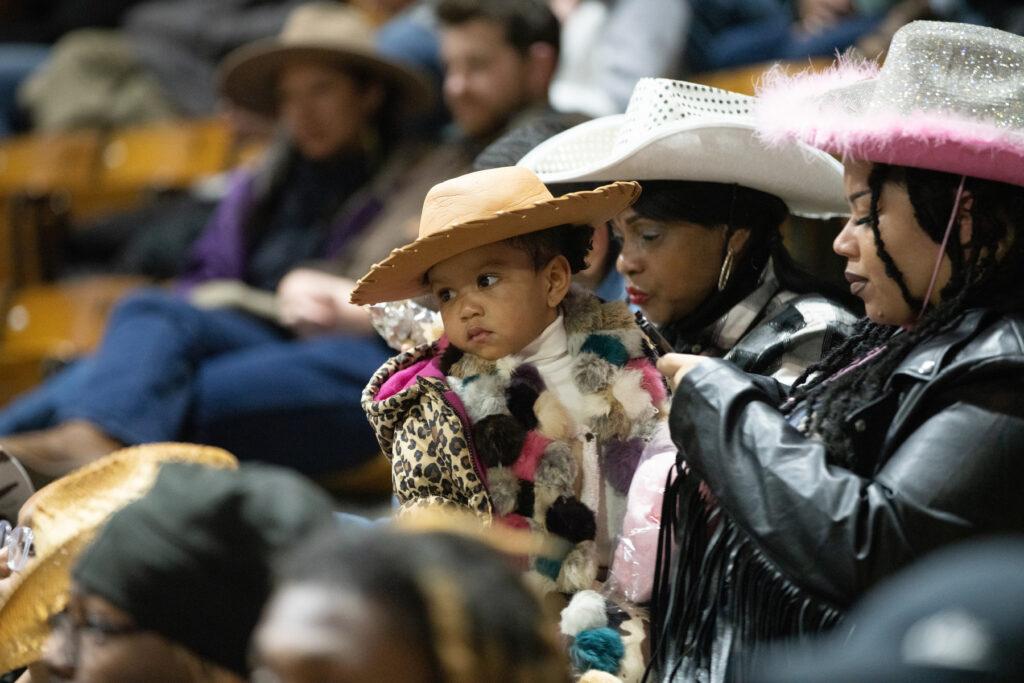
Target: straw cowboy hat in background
x=329 y=33
x=65 y=517
x=950 y=97
x=15 y=487
x=478 y=209
x=676 y=130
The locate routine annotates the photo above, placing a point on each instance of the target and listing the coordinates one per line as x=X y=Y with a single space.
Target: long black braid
x=979 y=278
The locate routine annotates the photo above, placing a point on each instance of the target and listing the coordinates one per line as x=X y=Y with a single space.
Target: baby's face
x=492 y=301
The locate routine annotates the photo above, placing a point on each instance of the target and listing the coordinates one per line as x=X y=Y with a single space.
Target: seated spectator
x=160 y=62
x=610 y=45
x=173 y=586
x=405 y=606
x=545 y=395
x=731 y=33
x=701 y=249
x=27 y=29
x=167 y=368
x=63 y=518
x=906 y=438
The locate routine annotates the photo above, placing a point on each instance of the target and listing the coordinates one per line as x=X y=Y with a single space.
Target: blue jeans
x=169 y=371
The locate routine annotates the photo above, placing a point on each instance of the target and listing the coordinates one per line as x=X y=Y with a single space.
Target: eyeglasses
x=19 y=544
x=68 y=630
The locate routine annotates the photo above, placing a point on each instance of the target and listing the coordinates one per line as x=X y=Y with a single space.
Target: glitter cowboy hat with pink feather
x=949 y=97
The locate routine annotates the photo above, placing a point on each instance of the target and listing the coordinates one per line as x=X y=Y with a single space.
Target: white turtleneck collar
x=549 y=353
x=549 y=346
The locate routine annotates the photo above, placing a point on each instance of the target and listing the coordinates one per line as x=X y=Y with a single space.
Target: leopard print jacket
x=423 y=424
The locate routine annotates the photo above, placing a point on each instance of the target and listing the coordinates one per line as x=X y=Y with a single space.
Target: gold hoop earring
x=723 y=276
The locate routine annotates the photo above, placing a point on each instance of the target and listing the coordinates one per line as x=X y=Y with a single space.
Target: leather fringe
x=717 y=600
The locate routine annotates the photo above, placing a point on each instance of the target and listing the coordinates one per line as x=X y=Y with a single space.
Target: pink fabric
x=404 y=378
x=652 y=381
x=794 y=108
x=632 y=572
x=529 y=457
x=515 y=521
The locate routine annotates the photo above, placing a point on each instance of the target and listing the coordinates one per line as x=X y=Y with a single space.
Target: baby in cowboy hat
x=540 y=400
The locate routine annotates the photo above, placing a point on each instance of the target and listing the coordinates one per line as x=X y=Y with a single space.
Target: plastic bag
x=406 y=324
x=632 y=572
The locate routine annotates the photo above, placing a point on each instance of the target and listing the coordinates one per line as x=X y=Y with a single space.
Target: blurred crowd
x=521 y=256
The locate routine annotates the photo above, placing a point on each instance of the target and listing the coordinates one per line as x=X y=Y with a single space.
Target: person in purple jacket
x=193 y=363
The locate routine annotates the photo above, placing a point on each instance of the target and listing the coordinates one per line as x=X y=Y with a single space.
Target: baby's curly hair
x=571 y=241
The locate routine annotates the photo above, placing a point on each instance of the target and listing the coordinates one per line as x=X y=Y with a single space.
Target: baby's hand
x=4 y=570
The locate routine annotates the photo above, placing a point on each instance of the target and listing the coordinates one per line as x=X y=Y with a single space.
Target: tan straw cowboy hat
x=65 y=517
x=325 y=32
x=478 y=209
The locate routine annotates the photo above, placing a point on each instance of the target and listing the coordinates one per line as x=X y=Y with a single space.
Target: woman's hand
x=311 y=302
x=676 y=365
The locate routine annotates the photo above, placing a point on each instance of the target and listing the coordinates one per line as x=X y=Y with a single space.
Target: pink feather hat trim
x=896 y=116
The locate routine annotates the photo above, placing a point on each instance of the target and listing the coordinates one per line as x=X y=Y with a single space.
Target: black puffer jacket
x=798 y=539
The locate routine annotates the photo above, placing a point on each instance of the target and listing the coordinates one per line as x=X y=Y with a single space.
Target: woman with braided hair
x=791 y=503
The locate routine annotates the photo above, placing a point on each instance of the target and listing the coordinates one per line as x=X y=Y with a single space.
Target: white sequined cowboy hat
x=676 y=130
x=324 y=32
x=482 y=208
x=950 y=97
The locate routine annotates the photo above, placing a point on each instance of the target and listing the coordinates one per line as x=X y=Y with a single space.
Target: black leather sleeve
x=834 y=533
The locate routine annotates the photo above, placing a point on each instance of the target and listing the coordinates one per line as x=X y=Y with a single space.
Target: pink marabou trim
x=652 y=382
x=515 y=521
x=404 y=378
x=529 y=457
x=791 y=108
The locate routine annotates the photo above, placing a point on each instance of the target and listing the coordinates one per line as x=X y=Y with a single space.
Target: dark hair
x=571 y=241
x=525 y=22
x=715 y=205
x=422 y=581
x=979 y=279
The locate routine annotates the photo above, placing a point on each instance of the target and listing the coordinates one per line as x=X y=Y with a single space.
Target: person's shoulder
x=816 y=309
x=991 y=335
x=980 y=344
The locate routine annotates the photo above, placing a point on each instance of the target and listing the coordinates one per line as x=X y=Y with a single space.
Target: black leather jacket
x=950 y=428
x=949 y=425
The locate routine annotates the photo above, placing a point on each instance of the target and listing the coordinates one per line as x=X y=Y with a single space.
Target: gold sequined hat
x=676 y=130
x=950 y=97
x=65 y=517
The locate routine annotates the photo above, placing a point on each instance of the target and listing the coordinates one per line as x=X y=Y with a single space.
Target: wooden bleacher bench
x=48 y=181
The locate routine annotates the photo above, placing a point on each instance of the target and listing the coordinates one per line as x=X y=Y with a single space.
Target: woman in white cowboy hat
x=701 y=250
x=284 y=390
x=907 y=437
